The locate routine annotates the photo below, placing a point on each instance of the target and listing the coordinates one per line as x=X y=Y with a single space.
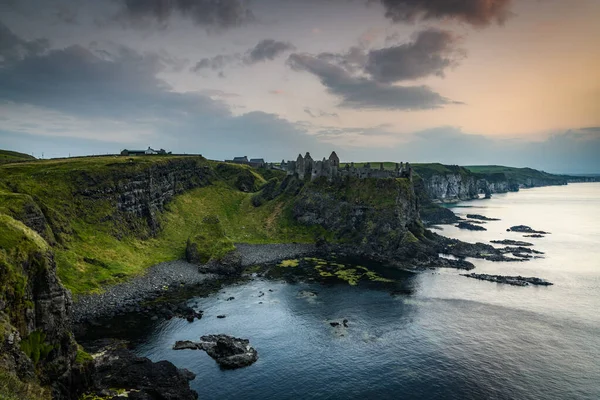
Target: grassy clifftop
x=7 y=156
x=75 y=205
x=519 y=175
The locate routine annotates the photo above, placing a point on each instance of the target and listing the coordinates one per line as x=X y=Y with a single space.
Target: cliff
x=451 y=183
x=109 y=218
x=38 y=355
x=374 y=217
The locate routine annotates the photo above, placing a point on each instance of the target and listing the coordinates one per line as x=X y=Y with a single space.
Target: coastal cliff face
x=144 y=193
x=374 y=216
x=444 y=183
x=37 y=347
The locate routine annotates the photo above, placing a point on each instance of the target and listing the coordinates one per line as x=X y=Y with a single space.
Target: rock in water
x=121 y=369
x=228 y=351
x=185 y=345
x=525 y=229
x=510 y=280
x=509 y=242
x=481 y=217
x=471 y=227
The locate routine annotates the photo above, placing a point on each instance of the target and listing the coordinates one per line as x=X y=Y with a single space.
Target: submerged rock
x=470 y=227
x=307 y=294
x=510 y=280
x=228 y=351
x=481 y=217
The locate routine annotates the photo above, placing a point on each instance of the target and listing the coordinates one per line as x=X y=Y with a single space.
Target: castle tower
x=308 y=164
x=335 y=160
x=300 y=167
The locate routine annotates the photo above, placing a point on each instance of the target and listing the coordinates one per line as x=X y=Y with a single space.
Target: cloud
x=316 y=113
x=207 y=13
x=361 y=92
x=268 y=49
x=354 y=60
x=215 y=63
x=116 y=96
x=479 y=13
x=430 y=53
x=14 y=48
x=265 y=50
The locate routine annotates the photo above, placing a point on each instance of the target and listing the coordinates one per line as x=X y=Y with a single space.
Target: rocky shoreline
x=170 y=276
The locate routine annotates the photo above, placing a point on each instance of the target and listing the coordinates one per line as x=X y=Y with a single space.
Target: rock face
x=38 y=342
x=448 y=183
x=455 y=187
x=374 y=215
x=230 y=264
x=510 y=280
x=141 y=378
x=229 y=352
x=143 y=193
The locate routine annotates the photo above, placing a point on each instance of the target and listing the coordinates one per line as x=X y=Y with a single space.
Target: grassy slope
x=517 y=174
x=7 y=156
x=490 y=172
x=94 y=249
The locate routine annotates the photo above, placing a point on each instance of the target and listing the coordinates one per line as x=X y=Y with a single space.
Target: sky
x=468 y=82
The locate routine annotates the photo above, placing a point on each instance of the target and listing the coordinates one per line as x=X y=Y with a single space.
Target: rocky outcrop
x=481 y=217
x=120 y=373
x=510 y=280
x=509 y=242
x=35 y=315
x=469 y=226
x=143 y=191
x=228 y=351
x=451 y=183
x=374 y=215
x=526 y=229
x=229 y=264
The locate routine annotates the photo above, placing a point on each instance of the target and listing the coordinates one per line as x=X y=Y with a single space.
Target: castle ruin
x=307 y=168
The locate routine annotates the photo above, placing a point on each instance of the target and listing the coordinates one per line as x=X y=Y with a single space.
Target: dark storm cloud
x=268 y=49
x=209 y=13
x=14 y=48
x=431 y=52
x=475 y=12
x=361 y=92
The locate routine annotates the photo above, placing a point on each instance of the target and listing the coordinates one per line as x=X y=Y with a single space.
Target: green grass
x=35 y=346
x=12 y=388
x=184 y=218
x=7 y=156
x=96 y=246
x=516 y=174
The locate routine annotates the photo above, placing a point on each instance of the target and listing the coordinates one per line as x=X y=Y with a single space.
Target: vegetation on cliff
x=7 y=156
x=79 y=206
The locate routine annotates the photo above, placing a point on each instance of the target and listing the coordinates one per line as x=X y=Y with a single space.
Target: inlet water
x=451 y=338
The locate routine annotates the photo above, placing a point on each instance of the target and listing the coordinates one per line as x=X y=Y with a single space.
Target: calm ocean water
x=453 y=338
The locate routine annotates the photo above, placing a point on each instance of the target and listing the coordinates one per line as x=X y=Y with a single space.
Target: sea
x=448 y=337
